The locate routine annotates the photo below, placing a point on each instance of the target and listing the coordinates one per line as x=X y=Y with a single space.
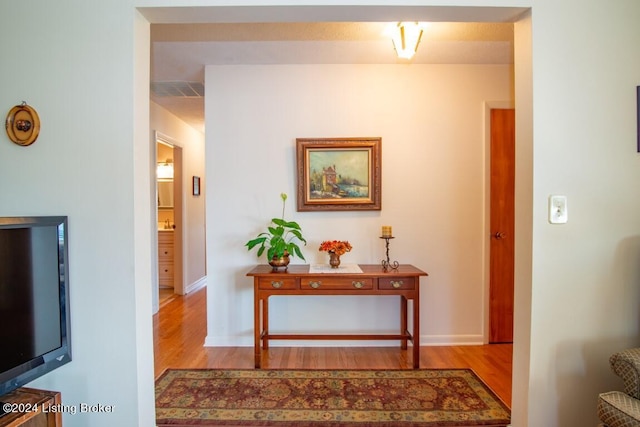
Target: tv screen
x=34 y=299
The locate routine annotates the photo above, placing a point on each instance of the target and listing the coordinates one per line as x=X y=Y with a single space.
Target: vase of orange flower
x=334 y=260
x=335 y=248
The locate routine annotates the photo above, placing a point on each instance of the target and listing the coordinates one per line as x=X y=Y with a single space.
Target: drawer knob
x=276 y=284
x=396 y=284
x=357 y=284
x=315 y=284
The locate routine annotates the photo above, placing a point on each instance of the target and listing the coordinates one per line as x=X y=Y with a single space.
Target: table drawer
x=335 y=283
x=279 y=283
x=396 y=283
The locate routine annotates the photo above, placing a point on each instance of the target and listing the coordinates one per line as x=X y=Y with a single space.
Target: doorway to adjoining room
x=169 y=219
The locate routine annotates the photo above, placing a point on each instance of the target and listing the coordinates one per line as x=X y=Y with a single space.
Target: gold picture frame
x=339 y=174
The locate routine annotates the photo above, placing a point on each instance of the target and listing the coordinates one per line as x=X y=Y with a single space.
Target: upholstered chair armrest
x=626 y=364
x=616 y=409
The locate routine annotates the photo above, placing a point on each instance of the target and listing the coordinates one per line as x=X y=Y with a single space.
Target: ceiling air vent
x=178 y=89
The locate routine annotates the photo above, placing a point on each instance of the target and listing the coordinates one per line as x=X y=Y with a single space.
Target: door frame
x=486 y=257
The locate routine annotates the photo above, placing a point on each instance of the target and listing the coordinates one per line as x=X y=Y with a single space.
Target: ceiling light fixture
x=406 y=38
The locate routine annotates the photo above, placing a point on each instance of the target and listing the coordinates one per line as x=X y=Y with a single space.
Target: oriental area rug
x=332 y=398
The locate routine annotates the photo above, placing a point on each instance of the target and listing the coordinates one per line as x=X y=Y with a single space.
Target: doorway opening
x=523 y=83
x=169 y=219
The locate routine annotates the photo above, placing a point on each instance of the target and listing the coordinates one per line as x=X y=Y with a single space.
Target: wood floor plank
x=180 y=329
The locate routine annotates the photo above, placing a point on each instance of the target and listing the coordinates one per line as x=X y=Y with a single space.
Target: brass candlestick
x=386 y=264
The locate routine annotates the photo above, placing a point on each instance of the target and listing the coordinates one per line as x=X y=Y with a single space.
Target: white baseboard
x=200 y=283
x=443 y=340
x=228 y=341
x=428 y=340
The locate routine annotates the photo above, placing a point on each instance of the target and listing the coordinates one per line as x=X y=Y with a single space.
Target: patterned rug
x=304 y=398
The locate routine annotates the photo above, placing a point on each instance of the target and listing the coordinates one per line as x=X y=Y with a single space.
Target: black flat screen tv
x=35 y=333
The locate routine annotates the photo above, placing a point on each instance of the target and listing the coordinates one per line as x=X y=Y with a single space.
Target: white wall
x=431 y=122
x=77 y=72
x=193 y=153
x=522 y=352
x=143 y=175
x=585 y=291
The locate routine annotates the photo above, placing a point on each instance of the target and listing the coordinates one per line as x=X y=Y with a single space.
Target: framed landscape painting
x=339 y=174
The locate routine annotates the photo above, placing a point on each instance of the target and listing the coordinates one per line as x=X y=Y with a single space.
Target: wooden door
x=502 y=206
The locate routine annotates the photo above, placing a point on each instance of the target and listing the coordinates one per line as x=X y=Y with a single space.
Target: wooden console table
x=403 y=282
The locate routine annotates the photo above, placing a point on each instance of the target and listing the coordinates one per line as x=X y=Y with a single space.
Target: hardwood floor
x=180 y=328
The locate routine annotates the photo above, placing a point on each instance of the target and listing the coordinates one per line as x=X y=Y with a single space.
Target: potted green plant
x=279 y=240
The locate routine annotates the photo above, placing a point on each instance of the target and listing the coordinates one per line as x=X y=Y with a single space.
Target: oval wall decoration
x=23 y=124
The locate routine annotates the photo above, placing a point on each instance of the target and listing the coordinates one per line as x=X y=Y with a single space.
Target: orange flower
x=337 y=246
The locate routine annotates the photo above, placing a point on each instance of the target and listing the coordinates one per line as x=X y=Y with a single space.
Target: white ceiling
x=179 y=52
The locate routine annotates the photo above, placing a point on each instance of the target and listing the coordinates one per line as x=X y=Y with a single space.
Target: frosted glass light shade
x=406 y=38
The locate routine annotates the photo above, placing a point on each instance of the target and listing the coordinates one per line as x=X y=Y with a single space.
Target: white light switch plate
x=558 y=213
